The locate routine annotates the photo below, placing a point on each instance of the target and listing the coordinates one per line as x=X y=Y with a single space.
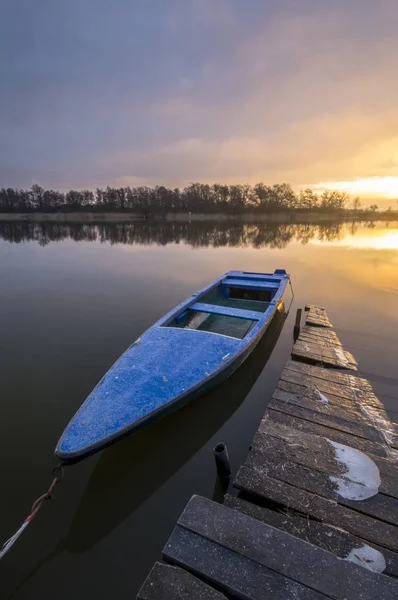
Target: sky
x=123 y=92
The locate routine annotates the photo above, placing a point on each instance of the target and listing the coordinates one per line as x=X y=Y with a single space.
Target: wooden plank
x=335 y=540
x=317 y=452
x=317 y=319
x=231 y=572
x=336 y=435
x=165 y=582
x=315 y=322
x=317 y=316
x=381 y=420
x=292 y=557
x=329 y=374
x=329 y=342
x=347 y=392
x=306 y=398
x=316 y=311
x=373 y=414
x=319 y=333
x=327 y=419
x=228 y=311
x=311 y=449
x=353 y=418
x=314 y=353
x=311 y=399
x=330 y=353
x=394 y=436
x=320 y=336
x=271 y=461
x=322 y=394
x=323 y=509
x=310 y=306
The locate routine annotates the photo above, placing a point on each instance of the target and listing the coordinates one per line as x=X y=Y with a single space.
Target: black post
x=296 y=330
x=223 y=472
x=222 y=461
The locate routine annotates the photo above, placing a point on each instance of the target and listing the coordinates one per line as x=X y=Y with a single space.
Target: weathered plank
x=381 y=421
x=322 y=394
x=230 y=571
x=329 y=352
x=323 y=509
x=347 y=392
x=165 y=582
x=322 y=334
x=330 y=375
x=375 y=419
x=315 y=321
x=292 y=557
x=269 y=462
x=314 y=353
x=353 y=418
x=314 y=450
x=317 y=316
x=310 y=334
x=329 y=420
x=333 y=539
x=336 y=435
x=394 y=436
x=330 y=342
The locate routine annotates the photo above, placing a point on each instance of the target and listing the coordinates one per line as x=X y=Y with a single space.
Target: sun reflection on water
x=379 y=239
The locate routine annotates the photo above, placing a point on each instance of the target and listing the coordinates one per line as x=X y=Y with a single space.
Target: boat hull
x=161 y=372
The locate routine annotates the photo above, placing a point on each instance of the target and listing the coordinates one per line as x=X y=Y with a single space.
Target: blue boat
x=192 y=348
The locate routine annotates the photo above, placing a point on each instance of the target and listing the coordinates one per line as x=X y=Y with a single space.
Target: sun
x=386 y=187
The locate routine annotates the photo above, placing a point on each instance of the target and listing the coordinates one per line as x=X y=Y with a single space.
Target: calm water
x=72 y=298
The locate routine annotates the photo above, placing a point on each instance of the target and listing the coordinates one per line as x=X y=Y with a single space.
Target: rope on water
x=37 y=504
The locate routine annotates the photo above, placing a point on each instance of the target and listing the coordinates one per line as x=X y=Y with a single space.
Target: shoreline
x=285 y=217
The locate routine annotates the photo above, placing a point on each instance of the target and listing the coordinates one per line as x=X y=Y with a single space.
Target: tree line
x=160 y=200
x=195 y=234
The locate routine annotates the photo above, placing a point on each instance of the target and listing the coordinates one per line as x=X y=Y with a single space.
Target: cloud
x=279 y=91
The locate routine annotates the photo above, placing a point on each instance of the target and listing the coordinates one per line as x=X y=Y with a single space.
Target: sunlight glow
x=386 y=187
x=389 y=241
x=378 y=240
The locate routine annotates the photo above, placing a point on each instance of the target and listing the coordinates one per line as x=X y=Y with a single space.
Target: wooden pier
x=314 y=509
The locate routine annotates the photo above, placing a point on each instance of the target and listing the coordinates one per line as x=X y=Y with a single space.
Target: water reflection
x=195 y=234
x=129 y=472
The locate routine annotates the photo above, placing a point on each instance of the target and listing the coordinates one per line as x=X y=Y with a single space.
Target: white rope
x=37 y=504
x=9 y=543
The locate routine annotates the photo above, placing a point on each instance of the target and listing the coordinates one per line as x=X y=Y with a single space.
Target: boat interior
x=232 y=308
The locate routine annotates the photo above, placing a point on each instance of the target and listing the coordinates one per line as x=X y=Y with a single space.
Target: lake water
x=72 y=298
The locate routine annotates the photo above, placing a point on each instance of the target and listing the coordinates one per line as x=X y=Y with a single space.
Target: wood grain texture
x=330 y=538
x=166 y=582
x=336 y=435
x=230 y=571
x=315 y=353
x=317 y=316
x=283 y=553
x=317 y=507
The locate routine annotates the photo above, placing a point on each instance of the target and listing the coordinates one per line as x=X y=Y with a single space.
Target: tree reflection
x=195 y=234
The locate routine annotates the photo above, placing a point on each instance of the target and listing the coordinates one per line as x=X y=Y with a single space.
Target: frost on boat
x=361 y=479
x=368 y=557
